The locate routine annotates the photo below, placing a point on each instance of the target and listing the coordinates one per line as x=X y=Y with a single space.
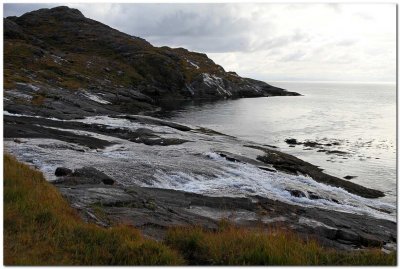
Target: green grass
x=40 y=228
x=82 y=69
x=232 y=245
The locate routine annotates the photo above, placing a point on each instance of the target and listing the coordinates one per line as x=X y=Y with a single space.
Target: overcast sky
x=271 y=42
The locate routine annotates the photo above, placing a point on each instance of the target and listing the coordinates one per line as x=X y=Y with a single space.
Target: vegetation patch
x=231 y=245
x=38 y=99
x=40 y=228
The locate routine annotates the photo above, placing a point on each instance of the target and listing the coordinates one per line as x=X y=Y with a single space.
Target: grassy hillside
x=41 y=48
x=40 y=228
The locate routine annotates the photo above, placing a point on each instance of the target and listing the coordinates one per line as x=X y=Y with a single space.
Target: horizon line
x=336 y=81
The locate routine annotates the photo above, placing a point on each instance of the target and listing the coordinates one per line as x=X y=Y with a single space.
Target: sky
x=266 y=41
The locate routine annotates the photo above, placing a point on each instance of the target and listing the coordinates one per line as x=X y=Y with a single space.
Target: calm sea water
x=360 y=118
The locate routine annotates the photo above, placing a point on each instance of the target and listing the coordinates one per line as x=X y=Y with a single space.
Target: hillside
x=59 y=63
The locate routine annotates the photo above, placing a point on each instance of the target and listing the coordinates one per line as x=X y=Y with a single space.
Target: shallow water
x=360 y=118
x=193 y=166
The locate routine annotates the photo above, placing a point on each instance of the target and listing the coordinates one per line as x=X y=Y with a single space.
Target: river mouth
x=356 y=121
x=195 y=164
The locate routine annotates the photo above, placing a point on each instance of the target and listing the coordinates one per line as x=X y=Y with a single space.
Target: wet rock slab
x=290 y=164
x=154 y=210
x=104 y=168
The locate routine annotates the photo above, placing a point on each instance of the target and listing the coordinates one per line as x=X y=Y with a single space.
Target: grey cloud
x=346 y=42
x=300 y=36
x=206 y=27
x=191 y=23
x=335 y=7
x=252 y=32
x=200 y=27
x=19 y=9
x=282 y=41
x=296 y=56
x=179 y=19
x=205 y=43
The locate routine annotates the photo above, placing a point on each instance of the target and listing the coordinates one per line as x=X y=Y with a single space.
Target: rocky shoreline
x=143 y=171
x=72 y=110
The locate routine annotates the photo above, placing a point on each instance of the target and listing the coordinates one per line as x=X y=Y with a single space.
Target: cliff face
x=58 y=62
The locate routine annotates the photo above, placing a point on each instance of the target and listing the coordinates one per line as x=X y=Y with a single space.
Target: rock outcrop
x=61 y=67
x=60 y=63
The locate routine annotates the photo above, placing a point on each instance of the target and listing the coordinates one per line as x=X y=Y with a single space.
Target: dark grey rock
x=290 y=164
x=348 y=235
x=62 y=171
x=92 y=174
x=349 y=177
x=313 y=196
x=297 y=193
x=155 y=210
x=85 y=175
x=337 y=152
x=291 y=141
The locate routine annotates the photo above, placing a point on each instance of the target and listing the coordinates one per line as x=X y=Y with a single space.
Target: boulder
x=291 y=141
x=62 y=171
x=84 y=175
x=93 y=175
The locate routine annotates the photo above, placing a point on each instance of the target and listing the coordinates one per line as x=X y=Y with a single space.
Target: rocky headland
x=59 y=63
x=75 y=95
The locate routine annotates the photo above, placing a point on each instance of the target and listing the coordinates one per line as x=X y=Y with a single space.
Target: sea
x=357 y=120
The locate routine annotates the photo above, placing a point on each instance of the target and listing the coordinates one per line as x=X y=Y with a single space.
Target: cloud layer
x=342 y=42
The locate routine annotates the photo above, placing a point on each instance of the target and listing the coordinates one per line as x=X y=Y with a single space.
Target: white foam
x=241 y=180
x=230 y=179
